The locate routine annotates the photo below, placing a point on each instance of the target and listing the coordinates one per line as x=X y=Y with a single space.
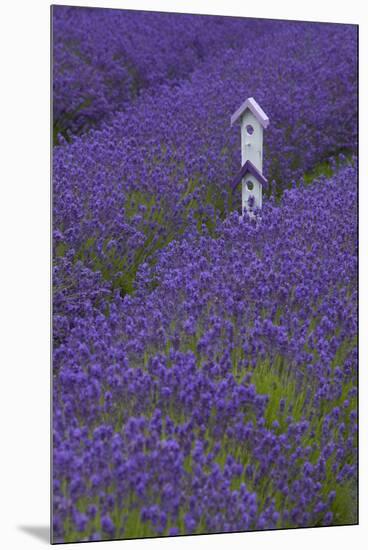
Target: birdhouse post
x=252 y=122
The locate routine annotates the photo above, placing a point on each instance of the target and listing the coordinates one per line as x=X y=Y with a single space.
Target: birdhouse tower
x=252 y=122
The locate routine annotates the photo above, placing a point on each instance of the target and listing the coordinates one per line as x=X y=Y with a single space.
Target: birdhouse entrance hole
x=250 y=185
x=249 y=128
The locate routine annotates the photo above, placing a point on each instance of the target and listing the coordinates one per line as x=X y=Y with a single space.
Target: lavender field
x=204 y=366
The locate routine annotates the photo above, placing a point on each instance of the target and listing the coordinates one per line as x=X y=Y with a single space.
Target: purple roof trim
x=258 y=112
x=248 y=167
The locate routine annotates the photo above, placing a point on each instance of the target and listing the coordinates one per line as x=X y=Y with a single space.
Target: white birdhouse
x=252 y=121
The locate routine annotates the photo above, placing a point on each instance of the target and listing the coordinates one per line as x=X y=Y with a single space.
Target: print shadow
x=41 y=532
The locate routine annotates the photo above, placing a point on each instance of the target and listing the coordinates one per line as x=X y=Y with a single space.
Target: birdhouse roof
x=257 y=111
x=248 y=168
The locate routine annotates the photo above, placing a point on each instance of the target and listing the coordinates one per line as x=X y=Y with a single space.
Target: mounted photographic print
x=205 y=364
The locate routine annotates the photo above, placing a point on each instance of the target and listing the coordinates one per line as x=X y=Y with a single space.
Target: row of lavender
x=103 y=58
x=222 y=395
x=127 y=190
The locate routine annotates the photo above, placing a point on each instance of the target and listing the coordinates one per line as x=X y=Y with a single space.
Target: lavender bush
x=103 y=58
x=205 y=367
